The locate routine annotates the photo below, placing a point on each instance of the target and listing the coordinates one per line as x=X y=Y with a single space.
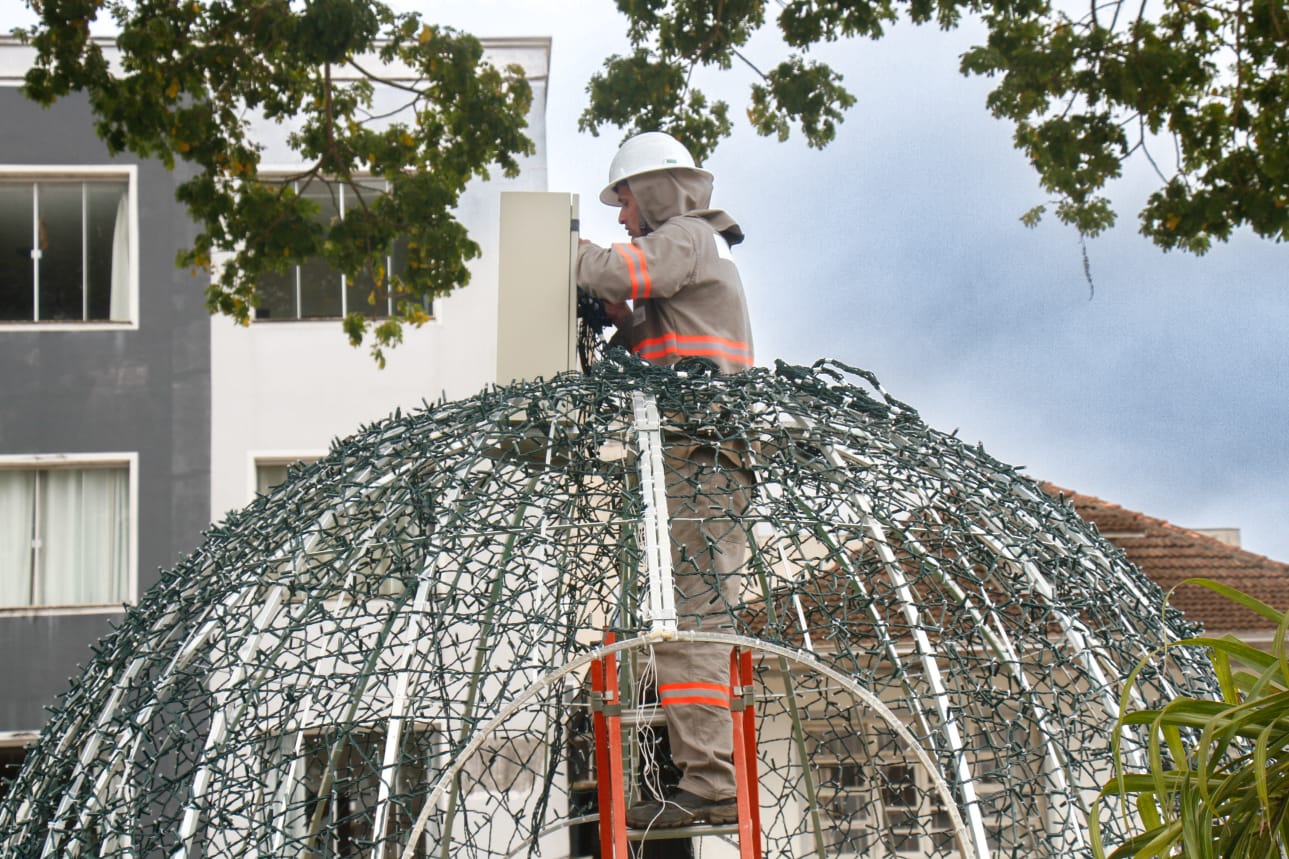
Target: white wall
x=290 y=387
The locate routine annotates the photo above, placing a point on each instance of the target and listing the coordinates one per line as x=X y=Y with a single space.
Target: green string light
x=386 y=655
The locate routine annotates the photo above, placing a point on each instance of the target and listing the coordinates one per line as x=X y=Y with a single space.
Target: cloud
x=898 y=249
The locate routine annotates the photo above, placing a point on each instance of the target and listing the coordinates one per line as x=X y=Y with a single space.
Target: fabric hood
x=665 y=194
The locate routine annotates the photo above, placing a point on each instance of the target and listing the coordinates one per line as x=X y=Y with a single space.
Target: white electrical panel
x=537 y=287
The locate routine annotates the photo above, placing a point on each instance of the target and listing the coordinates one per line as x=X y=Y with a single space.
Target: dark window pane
x=319 y=290
x=905 y=842
x=320 y=284
x=362 y=296
x=398 y=266
x=61 y=270
x=277 y=296
x=398 y=257
x=899 y=790
x=268 y=475
x=852 y=775
x=323 y=291
x=350 y=767
x=11 y=758
x=16 y=297
x=361 y=293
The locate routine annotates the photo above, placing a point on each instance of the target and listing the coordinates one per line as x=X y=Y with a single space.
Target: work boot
x=681 y=808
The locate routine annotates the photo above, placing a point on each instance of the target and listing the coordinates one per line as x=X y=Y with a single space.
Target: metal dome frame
x=385 y=656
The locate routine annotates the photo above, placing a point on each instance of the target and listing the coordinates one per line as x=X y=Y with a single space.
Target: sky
x=899 y=249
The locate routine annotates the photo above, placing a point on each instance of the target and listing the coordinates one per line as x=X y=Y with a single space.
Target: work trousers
x=706 y=498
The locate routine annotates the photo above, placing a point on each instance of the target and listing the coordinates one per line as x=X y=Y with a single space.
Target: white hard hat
x=645 y=153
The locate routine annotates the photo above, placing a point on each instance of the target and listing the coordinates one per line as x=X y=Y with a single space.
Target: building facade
x=132 y=419
x=105 y=430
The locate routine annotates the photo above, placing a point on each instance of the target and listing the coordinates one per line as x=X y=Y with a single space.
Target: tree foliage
x=1218 y=779
x=1203 y=81
x=1199 y=87
x=191 y=77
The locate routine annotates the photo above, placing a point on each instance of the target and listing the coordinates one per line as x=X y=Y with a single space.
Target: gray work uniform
x=689 y=301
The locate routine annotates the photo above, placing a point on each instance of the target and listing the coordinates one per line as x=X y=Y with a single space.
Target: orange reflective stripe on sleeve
x=710 y=694
x=645 y=278
x=686 y=345
x=637 y=269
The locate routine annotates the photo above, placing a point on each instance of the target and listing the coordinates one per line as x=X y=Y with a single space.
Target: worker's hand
x=581 y=242
x=619 y=312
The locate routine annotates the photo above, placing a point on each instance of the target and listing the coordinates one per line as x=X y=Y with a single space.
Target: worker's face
x=629 y=214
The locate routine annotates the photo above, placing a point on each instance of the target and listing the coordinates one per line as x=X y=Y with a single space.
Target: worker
x=686 y=300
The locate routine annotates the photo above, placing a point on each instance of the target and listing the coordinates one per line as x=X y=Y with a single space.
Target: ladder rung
x=696 y=831
x=647 y=717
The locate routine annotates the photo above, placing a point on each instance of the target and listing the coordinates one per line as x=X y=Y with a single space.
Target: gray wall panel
x=91 y=391
x=41 y=655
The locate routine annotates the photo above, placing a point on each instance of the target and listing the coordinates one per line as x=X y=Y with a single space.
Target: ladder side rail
x=751 y=773
x=613 y=718
x=602 y=767
x=746 y=837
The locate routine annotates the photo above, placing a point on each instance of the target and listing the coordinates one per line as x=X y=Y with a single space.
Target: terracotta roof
x=1169 y=554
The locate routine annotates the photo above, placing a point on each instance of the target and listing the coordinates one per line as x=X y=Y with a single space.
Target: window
x=315 y=290
x=343 y=777
x=874 y=796
x=13 y=751
x=65 y=533
x=272 y=470
x=269 y=475
x=65 y=248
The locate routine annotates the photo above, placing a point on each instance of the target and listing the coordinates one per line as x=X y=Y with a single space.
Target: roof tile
x=1170 y=554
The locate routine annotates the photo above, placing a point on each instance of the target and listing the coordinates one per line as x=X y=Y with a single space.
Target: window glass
x=11 y=758
x=320 y=284
x=268 y=475
x=17 y=526
x=16 y=271
x=65 y=250
x=271 y=471
x=277 y=295
x=315 y=290
x=61 y=268
x=398 y=259
x=340 y=789
x=361 y=296
x=873 y=793
x=65 y=536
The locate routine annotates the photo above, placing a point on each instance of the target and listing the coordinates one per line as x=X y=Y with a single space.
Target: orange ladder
x=606 y=713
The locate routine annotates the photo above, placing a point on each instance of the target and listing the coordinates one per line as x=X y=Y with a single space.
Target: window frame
x=87 y=173
x=82 y=461
x=270 y=458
